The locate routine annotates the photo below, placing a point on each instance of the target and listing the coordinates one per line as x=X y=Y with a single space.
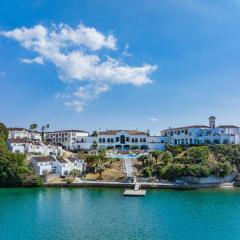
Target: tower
x=212 y=122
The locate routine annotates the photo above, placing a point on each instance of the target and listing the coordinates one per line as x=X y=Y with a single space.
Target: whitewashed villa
x=23 y=133
x=61 y=166
x=34 y=148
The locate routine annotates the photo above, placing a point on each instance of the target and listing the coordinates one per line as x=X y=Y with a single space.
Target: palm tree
x=43 y=128
x=156 y=154
x=100 y=169
x=33 y=126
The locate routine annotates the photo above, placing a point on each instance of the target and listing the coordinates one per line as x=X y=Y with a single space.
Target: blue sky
x=171 y=63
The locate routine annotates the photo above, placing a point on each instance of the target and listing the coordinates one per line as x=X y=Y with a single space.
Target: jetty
x=135 y=192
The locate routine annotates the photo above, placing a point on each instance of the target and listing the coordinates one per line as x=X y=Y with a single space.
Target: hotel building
x=202 y=134
x=65 y=137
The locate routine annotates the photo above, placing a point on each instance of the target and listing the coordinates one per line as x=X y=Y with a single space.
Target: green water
x=74 y=213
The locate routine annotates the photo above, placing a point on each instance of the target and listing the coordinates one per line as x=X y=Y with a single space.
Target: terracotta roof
x=73 y=159
x=114 y=132
x=18 y=140
x=227 y=126
x=44 y=159
x=61 y=160
x=60 y=131
x=17 y=129
x=192 y=126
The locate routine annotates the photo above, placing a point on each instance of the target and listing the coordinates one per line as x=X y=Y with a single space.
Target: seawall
x=131 y=185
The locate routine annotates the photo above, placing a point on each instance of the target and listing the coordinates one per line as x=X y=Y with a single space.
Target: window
x=186 y=131
x=100 y=140
x=144 y=140
x=112 y=140
x=117 y=139
x=178 y=132
x=127 y=139
x=104 y=140
x=182 y=131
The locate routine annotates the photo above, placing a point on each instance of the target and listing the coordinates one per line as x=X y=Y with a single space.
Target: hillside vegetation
x=14 y=170
x=197 y=161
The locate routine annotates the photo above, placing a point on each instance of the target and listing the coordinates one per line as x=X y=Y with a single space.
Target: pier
x=135 y=192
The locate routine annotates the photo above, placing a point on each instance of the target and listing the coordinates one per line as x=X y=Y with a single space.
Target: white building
x=65 y=137
x=43 y=165
x=34 y=148
x=85 y=143
x=202 y=134
x=23 y=133
x=56 y=165
x=156 y=142
x=122 y=139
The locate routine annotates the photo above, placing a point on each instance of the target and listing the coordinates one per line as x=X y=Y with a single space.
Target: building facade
x=34 y=148
x=56 y=165
x=66 y=138
x=202 y=134
x=23 y=133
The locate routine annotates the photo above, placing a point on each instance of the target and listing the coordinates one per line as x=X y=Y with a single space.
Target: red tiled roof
x=44 y=159
x=227 y=126
x=114 y=132
x=60 y=131
x=18 y=140
x=17 y=129
x=192 y=126
x=61 y=160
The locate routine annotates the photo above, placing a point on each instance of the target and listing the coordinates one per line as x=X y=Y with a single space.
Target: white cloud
x=75 y=53
x=84 y=94
x=38 y=60
x=153 y=119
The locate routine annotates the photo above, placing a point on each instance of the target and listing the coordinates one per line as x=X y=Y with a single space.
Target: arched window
x=122 y=139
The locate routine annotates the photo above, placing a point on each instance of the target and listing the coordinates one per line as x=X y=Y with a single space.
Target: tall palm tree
x=33 y=126
x=43 y=128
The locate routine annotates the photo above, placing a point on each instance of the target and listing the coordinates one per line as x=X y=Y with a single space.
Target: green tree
x=92 y=160
x=94 y=145
x=75 y=173
x=166 y=157
x=156 y=154
x=146 y=160
x=3 y=132
x=147 y=171
x=100 y=169
x=43 y=128
x=33 y=126
x=175 y=150
x=95 y=134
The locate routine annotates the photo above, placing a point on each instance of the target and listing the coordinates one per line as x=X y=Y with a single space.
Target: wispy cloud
x=153 y=119
x=75 y=54
x=38 y=60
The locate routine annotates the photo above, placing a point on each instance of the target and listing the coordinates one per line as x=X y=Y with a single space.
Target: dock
x=135 y=192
